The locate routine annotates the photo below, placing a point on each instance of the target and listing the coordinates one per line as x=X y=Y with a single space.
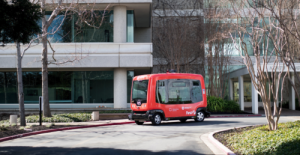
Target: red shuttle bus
x=170 y=96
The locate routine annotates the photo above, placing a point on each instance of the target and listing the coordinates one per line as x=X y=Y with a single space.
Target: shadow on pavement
x=192 y=123
x=86 y=151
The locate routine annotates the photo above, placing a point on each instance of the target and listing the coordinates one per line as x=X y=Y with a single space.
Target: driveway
x=170 y=137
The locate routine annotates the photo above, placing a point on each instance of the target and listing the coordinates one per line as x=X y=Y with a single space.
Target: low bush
x=217 y=104
x=68 y=117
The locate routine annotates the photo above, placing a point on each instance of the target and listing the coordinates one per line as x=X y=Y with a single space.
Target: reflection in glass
x=93 y=87
x=70 y=28
x=100 y=33
x=64 y=87
x=130 y=75
x=32 y=82
x=8 y=87
x=130 y=26
x=60 y=87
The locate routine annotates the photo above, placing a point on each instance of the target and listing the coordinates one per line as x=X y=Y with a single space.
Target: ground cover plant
x=260 y=140
x=217 y=104
x=68 y=117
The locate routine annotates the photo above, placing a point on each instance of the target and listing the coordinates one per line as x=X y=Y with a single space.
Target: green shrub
x=67 y=117
x=231 y=106
x=217 y=104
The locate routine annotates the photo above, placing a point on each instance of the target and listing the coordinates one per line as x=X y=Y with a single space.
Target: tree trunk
x=20 y=86
x=46 y=112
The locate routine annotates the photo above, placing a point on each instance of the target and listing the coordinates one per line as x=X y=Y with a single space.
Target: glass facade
x=130 y=26
x=8 y=87
x=130 y=75
x=247 y=92
x=70 y=28
x=65 y=87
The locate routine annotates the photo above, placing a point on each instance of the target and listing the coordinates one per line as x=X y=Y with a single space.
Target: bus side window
x=196 y=91
x=160 y=91
x=179 y=91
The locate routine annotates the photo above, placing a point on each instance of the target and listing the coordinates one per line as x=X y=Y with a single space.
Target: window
x=8 y=87
x=196 y=92
x=139 y=91
x=178 y=91
x=130 y=26
x=71 y=29
x=64 y=87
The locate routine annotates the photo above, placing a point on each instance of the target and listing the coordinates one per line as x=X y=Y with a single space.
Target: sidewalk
x=85 y=123
x=284 y=112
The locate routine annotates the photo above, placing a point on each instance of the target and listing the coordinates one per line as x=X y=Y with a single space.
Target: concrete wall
x=87 y=55
x=142 y=35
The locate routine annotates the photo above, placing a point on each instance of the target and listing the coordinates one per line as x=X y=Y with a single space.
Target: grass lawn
x=259 y=140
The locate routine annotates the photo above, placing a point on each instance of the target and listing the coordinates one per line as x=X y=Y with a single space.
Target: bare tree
x=286 y=13
x=260 y=46
x=177 y=36
x=189 y=36
x=85 y=15
x=217 y=46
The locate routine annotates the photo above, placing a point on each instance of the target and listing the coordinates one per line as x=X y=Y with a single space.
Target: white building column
x=254 y=99
x=120 y=24
x=292 y=104
x=120 y=88
x=230 y=83
x=241 y=92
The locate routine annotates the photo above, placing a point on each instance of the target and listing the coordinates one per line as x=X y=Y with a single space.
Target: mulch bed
x=14 y=130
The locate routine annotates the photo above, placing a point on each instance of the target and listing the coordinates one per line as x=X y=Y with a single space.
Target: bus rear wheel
x=200 y=116
x=139 y=123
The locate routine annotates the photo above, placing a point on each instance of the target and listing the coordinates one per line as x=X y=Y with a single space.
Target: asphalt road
x=170 y=137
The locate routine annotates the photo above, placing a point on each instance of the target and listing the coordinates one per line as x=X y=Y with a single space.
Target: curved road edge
x=216 y=146
x=59 y=129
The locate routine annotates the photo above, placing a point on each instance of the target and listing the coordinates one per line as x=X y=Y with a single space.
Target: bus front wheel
x=156 y=119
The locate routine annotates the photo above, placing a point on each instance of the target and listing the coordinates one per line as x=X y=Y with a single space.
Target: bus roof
x=165 y=75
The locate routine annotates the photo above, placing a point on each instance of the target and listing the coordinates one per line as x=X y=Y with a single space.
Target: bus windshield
x=139 y=91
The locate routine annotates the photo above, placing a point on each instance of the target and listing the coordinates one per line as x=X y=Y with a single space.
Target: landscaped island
x=259 y=140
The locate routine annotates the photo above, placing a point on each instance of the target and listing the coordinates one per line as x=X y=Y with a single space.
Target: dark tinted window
x=139 y=91
x=178 y=91
x=196 y=92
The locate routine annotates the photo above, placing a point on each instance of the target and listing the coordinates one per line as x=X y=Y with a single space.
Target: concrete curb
x=59 y=129
x=250 y=115
x=218 y=144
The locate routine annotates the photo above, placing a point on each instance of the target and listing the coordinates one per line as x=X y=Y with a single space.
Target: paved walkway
x=284 y=112
x=86 y=123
